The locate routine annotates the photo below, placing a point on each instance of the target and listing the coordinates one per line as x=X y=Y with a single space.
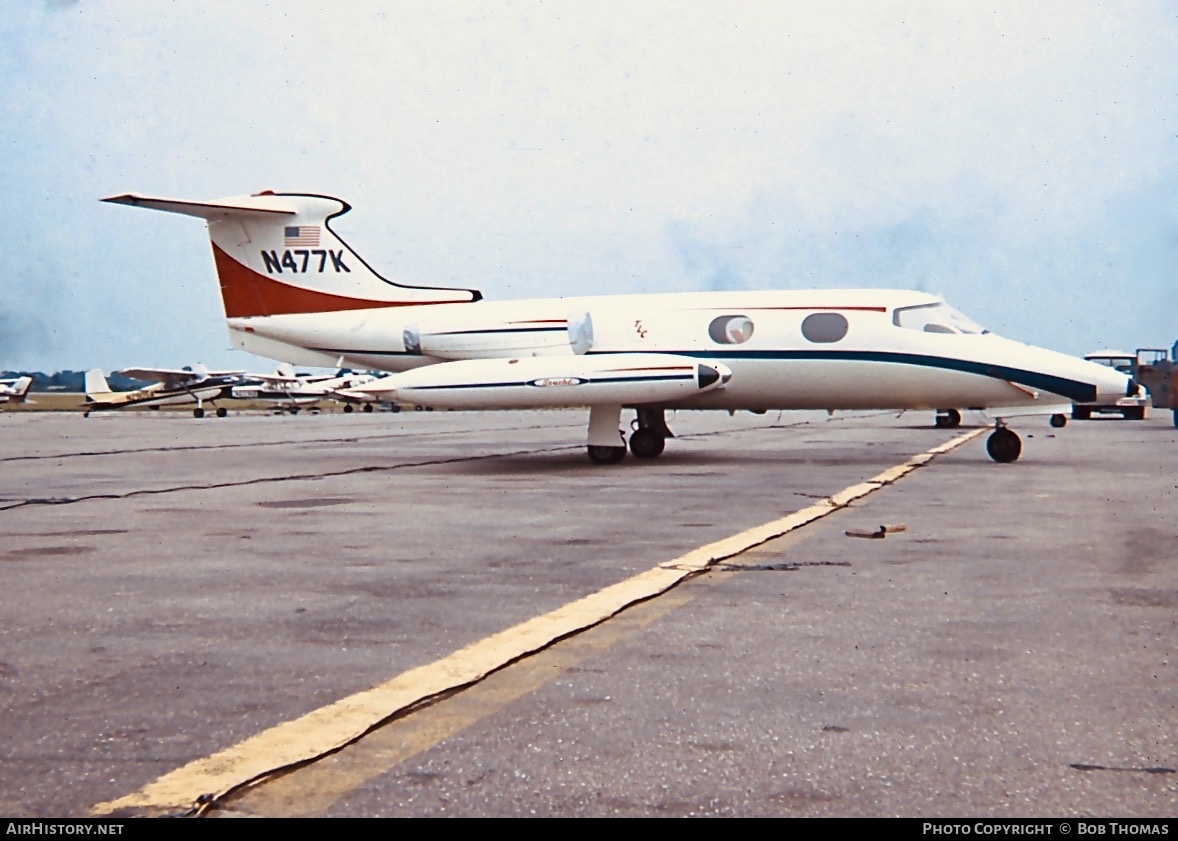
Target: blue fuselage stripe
x=1078 y=391
x=1075 y=390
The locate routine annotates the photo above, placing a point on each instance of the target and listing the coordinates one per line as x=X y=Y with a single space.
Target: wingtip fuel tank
x=555 y=382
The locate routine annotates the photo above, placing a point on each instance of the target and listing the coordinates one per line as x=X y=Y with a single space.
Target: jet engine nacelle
x=477 y=333
x=623 y=379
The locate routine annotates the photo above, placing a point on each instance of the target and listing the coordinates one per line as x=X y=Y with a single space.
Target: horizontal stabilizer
x=257 y=205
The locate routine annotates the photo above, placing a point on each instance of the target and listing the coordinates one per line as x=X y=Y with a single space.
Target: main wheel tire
x=947 y=419
x=348 y=409
x=646 y=443
x=367 y=407
x=605 y=455
x=1004 y=446
x=198 y=413
x=1059 y=421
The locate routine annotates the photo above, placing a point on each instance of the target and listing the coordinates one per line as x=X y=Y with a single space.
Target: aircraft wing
x=176 y=378
x=274 y=379
x=350 y=395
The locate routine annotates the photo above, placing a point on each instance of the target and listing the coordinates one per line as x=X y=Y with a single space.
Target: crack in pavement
x=262 y=480
x=11 y=504
x=270 y=443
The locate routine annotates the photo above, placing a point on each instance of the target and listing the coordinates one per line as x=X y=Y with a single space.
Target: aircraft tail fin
x=96 y=384
x=20 y=390
x=276 y=254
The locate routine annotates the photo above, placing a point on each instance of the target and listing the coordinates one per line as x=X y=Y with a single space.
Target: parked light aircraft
x=290 y=391
x=15 y=390
x=293 y=290
x=185 y=385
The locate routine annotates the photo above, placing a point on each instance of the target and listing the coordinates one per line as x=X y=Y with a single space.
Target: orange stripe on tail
x=246 y=293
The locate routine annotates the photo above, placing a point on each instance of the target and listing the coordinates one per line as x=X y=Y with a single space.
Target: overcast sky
x=1020 y=159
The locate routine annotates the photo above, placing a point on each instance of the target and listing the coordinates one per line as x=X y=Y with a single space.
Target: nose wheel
x=1003 y=445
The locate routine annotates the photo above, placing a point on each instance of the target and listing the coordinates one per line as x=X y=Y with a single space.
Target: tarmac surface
x=458 y=614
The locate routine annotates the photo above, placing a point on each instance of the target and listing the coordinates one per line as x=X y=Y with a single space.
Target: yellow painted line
x=335 y=725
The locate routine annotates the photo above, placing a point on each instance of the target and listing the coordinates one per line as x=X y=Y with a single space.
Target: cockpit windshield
x=934 y=318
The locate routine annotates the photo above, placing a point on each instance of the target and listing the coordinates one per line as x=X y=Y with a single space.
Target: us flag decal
x=301 y=236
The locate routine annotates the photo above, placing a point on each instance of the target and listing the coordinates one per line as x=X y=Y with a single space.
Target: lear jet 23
x=15 y=390
x=185 y=385
x=294 y=291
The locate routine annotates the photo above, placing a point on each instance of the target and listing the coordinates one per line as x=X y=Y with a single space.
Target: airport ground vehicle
x=1129 y=407
x=1155 y=370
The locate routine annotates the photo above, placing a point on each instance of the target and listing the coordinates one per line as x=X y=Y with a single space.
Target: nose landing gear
x=1004 y=445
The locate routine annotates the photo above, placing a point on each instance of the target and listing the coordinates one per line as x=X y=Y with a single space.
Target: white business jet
x=294 y=291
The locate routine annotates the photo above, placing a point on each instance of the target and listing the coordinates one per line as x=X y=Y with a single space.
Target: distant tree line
x=72 y=381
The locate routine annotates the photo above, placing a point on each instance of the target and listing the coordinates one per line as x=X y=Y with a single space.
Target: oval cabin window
x=731 y=329
x=824 y=327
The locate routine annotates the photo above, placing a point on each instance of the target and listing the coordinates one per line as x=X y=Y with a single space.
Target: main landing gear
x=947 y=419
x=647 y=441
x=199 y=412
x=650 y=434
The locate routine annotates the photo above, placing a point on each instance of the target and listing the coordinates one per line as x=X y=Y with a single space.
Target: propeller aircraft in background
x=170 y=386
